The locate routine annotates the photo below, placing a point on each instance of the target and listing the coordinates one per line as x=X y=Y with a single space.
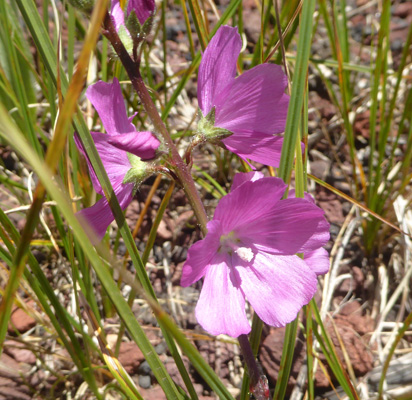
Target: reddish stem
x=175 y=161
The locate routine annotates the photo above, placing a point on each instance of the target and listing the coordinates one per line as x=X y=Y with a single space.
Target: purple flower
x=250 y=252
x=143 y=9
x=121 y=150
x=252 y=106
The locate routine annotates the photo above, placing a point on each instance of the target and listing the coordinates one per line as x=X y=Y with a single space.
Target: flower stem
x=175 y=161
x=258 y=382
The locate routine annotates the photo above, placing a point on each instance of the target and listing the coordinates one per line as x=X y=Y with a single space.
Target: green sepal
x=206 y=127
x=138 y=173
x=133 y=25
x=136 y=29
x=147 y=26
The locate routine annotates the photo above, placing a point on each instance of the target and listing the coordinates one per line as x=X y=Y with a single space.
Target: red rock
x=130 y=356
x=403 y=10
x=173 y=371
x=271 y=353
x=18 y=352
x=333 y=210
x=153 y=393
x=20 y=321
x=349 y=328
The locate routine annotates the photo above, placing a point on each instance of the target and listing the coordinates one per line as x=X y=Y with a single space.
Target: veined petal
x=249 y=203
x=240 y=178
x=141 y=144
x=143 y=9
x=218 y=66
x=108 y=101
x=256 y=102
x=117 y=14
x=99 y=216
x=221 y=305
x=255 y=146
x=318 y=261
x=201 y=254
x=294 y=226
x=115 y=161
x=277 y=287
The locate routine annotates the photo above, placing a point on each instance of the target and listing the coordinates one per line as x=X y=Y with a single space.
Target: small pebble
x=144 y=368
x=161 y=348
x=145 y=381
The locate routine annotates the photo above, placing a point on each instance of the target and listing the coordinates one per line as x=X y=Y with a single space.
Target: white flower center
x=245 y=253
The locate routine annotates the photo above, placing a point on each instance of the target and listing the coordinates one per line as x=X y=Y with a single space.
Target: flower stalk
x=178 y=166
x=258 y=382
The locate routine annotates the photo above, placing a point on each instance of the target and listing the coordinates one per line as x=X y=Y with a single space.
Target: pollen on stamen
x=245 y=253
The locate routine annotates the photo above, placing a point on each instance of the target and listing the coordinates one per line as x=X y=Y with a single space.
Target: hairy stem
x=175 y=161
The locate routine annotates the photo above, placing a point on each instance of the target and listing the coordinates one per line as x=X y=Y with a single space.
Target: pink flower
x=121 y=150
x=252 y=106
x=143 y=9
x=249 y=252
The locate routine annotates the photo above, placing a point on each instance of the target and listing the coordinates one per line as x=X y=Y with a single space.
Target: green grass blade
x=299 y=84
x=199 y=23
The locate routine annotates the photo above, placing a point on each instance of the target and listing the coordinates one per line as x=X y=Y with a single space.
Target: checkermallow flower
x=249 y=253
x=123 y=152
x=246 y=113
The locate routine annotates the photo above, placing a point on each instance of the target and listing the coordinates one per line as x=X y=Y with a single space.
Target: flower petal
x=255 y=102
x=143 y=9
x=221 y=305
x=218 y=66
x=117 y=14
x=251 y=145
x=115 y=161
x=201 y=254
x=141 y=144
x=249 y=203
x=318 y=261
x=293 y=226
x=99 y=216
x=240 y=178
x=277 y=287
x=108 y=100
